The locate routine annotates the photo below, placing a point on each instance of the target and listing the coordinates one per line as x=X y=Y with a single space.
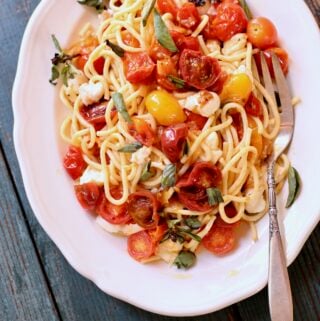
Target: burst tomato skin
x=167 y=67
x=142 y=131
x=173 y=139
x=199 y=71
x=185 y=42
x=140 y=245
x=138 y=67
x=188 y=16
x=114 y=214
x=262 y=33
x=229 y=20
x=195 y=121
x=253 y=106
x=73 y=162
x=95 y=114
x=88 y=195
x=167 y=6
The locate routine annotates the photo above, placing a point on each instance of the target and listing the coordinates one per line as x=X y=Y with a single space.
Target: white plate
x=214 y=282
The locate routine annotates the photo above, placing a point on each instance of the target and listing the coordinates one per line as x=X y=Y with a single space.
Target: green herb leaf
x=190 y=234
x=147 y=11
x=294 y=185
x=172 y=223
x=178 y=82
x=121 y=106
x=246 y=9
x=130 y=148
x=193 y=222
x=97 y=4
x=56 y=43
x=162 y=33
x=115 y=48
x=198 y=3
x=185 y=260
x=146 y=174
x=66 y=73
x=168 y=176
x=214 y=196
x=55 y=74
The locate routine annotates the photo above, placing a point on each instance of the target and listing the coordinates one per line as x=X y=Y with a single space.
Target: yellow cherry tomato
x=237 y=89
x=164 y=108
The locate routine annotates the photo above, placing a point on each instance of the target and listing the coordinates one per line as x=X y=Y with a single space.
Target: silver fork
x=279 y=291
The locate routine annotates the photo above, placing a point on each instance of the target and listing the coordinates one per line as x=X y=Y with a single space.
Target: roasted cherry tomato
x=183 y=42
x=253 y=107
x=167 y=67
x=98 y=65
x=199 y=204
x=129 y=39
x=88 y=195
x=142 y=131
x=140 y=245
x=237 y=123
x=73 y=162
x=195 y=121
x=229 y=20
x=164 y=108
x=114 y=214
x=167 y=6
x=158 y=233
x=173 y=139
x=143 y=207
x=157 y=52
x=262 y=33
x=138 y=67
x=197 y=70
x=219 y=240
x=95 y=114
x=188 y=16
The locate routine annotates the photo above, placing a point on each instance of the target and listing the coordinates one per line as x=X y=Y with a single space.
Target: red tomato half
x=195 y=121
x=73 y=162
x=156 y=51
x=219 y=240
x=253 y=106
x=188 y=16
x=167 y=6
x=194 y=199
x=230 y=19
x=88 y=195
x=143 y=207
x=138 y=67
x=98 y=65
x=183 y=42
x=140 y=245
x=166 y=67
x=114 y=214
x=95 y=114
x=197 y=70
x=142 y=131
x=173 y=139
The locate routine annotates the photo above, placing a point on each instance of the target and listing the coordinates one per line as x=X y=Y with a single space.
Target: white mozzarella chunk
x=141 y=156
x=72 y=90
x=91 y=93
x=240 y=70
x=168 y=250
x=204 y=102
x=256 y=204
x=119 y=229
x=236 y=43
x=91 y=175
x=212 y=140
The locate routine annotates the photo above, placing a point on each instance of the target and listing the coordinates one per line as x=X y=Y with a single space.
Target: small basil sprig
x=193 y=222
x=121 y=106
x=185 y=259
x=162 y=33
x=178 y=82
x=115 y=48
x=97 y=4
x=60 y=64
x=130 y=148
x=168 y=176
x=146 y=13
x=146 y=173
x=246 y=9
x=214 y=196
x=294 y=185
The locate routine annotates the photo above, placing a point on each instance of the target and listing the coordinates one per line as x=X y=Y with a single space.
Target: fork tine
x=266 y=77
x=284 y=92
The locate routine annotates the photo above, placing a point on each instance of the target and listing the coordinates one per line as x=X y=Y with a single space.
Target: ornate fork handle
x=280 y=300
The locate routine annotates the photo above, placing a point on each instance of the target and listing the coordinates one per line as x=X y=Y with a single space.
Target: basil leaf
x=115 y=48
x=198 y=3
x=97 y=4
x=214 y=196
x=178 y=82
x=294 y=185
x=56 y=43
x=66 y=73
x=246 y=9
x=168 y=176
x=121 y=106
x=162 y=33
x=130 y=148
x=147 y=11
x=171 y=223
x=55 y=74
x=193 y=222
x=186 y=231
x=185 y=260
x=146 y=174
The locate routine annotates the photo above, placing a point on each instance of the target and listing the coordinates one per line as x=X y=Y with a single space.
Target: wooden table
x=36 y=282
